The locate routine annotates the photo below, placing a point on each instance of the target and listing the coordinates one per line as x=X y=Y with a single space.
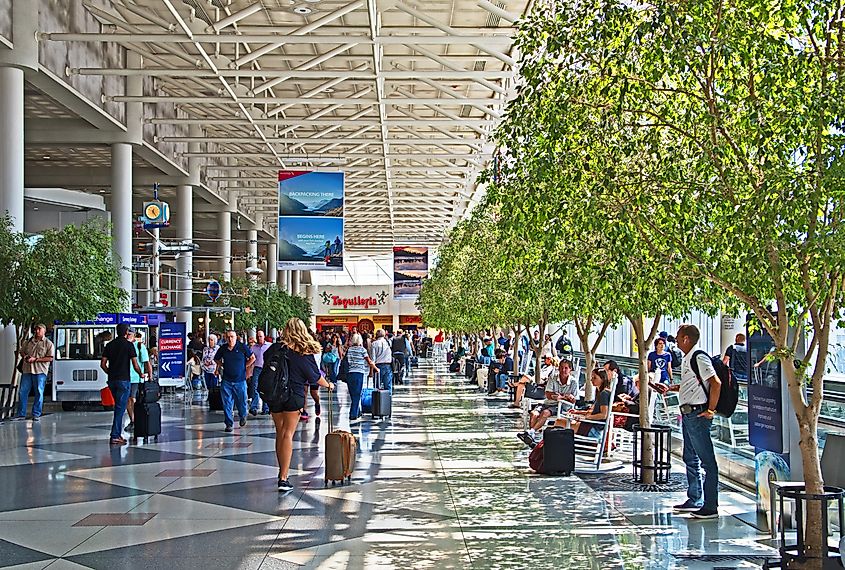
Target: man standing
x=382 y=357
x=261 y=346
x=699 y=393
x=232 y=359
x=118 y=356
x=736 y=358
x=135 y=379
x=37 y=354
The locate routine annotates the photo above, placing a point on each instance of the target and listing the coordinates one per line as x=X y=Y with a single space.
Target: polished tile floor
x=444 y=484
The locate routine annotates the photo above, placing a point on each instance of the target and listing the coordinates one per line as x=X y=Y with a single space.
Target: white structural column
x=11 y=183
x=224 y=226
x=121 y=213
x=294 y=282
x=185 y=261
x=272 y=274
x=252 y=254
x=11 y=144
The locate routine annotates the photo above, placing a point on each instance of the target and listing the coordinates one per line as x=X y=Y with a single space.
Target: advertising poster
x=171 y=350
x=310 y=220
x=765 y=413
x=410 y=267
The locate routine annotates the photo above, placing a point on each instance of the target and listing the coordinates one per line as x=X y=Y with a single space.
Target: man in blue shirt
x=232 y=360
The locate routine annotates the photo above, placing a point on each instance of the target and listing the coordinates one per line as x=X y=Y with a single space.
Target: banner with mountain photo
x=410 y=267
x=310 y=220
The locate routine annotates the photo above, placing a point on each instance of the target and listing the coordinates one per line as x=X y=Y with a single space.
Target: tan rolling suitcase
x=341 y=449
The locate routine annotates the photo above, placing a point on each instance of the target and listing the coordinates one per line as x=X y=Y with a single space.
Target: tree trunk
x=10 y=399
x=515 y=348
x=808 y=422
x=645 y=393
x=583 y=332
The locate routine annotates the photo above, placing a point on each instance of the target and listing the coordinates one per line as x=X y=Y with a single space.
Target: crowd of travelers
x=230 y=365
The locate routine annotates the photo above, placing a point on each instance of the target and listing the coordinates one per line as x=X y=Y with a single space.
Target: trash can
x=796 y=553
x=661 y=456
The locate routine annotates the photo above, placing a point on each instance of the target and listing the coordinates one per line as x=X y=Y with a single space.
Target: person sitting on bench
x=500 y=368
x=600 y=409
x=525 y=386
x=561 y=392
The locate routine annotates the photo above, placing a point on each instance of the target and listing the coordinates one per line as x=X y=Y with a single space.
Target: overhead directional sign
x=171 y=350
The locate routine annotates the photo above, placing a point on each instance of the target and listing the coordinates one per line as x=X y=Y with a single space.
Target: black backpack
x=274 y=384
x=729 y=394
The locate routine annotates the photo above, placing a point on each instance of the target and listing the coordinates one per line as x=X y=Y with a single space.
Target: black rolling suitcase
x=558 y=451
x=469 y=370
x=215 y=399
x=382 y=400
x=147 y=420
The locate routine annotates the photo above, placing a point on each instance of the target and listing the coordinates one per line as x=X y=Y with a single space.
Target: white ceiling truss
x=400 y=95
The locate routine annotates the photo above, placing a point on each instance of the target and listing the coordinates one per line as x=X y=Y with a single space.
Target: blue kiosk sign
x=171 y=350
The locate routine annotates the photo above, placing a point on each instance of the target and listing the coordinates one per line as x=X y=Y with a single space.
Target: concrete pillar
x=185 y=262
x=11 y=183
x=395 y=322
x=272 y=274
x=11 y=145
x=121 y=213
x=252 y=254
x=224 y=220
x=294 y=282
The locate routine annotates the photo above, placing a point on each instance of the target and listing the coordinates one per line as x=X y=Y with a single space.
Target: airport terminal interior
x=538 y=249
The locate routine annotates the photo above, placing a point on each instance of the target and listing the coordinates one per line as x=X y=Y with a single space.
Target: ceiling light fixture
x=302 y=10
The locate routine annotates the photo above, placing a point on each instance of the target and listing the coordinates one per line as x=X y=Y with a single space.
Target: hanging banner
x=171 y=350
x=410 y=267
x=310 y=220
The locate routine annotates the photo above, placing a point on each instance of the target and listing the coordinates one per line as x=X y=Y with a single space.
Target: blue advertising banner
x=171 y=350
x=765 y=406
x=311 y=220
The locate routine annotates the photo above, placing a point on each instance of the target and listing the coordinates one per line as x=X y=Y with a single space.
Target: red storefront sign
x=356 y=301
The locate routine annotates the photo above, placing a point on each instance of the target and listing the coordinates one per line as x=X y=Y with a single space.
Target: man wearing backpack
x=698 y=396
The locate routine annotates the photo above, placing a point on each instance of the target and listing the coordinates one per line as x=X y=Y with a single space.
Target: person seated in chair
x=600 y=408
x=525 y=386
x=500 y=368
x=561 y=391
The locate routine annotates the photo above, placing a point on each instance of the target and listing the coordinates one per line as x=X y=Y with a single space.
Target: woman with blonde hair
x=302 y=370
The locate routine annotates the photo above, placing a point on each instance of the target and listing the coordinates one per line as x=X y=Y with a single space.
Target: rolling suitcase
x=215 y=399
x=382 y=401
x=558 y=451
x=147 y=420
x=367 y=398
x=481 y=377
x=340 y=452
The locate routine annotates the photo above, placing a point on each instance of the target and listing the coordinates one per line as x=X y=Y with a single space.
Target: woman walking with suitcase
x=302 y=371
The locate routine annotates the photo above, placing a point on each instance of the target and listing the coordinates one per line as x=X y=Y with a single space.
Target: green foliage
x=65 y=275
x=265 y=304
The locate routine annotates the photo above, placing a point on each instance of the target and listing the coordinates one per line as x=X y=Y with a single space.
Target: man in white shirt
x=698 y=396
x=383 y=357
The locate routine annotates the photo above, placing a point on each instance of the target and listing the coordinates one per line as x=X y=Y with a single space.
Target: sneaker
x=527 y=439
x=36 y=418
x=242 y=422
x=229 y=429
x=687 y=507
x=130 y=426
x=304 y=416
x=253 y=413
x=19 y=419
x=705 y=514
x=285 y=486
x=317 y=408
x=118 y=441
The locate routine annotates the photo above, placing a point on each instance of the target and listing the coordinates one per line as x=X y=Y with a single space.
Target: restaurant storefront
x=367 y=308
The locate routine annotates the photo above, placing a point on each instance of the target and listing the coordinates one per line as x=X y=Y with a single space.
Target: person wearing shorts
x=302 y=371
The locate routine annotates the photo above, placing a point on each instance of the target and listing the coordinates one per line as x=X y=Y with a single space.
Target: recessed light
x=312 y=1
x=35 y=208
x=46 y=157
x=302 y=10
x=102 y=190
